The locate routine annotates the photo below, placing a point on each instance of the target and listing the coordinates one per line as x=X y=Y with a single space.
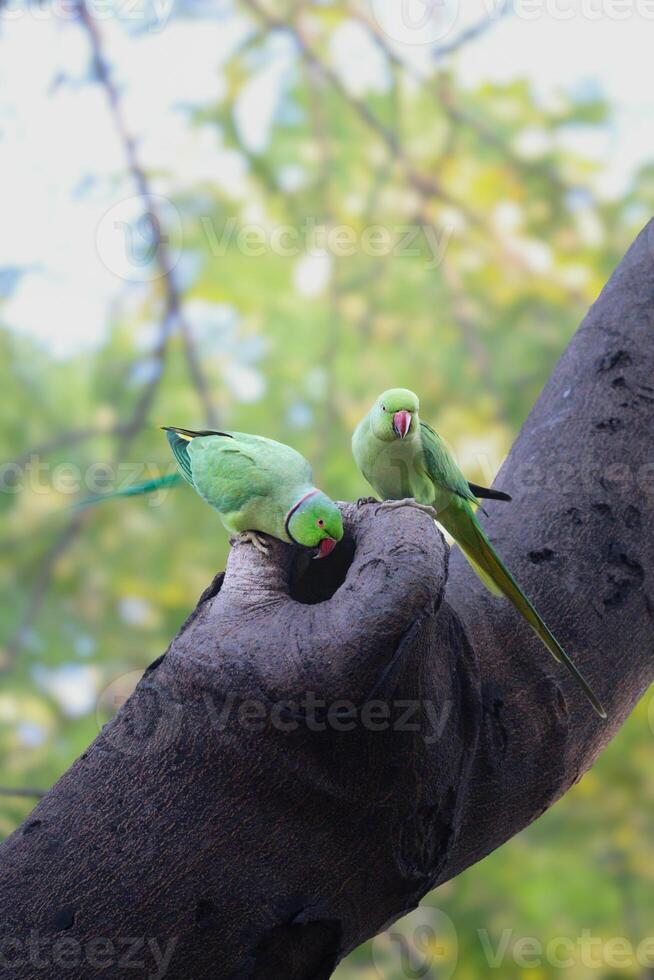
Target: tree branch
x=472 y=33
x=20 y=791
x=171 y=320
x=464 y=318
x=63 y=440
x=172 y=296
x=446 y=97
x=333 y=311
x=48 y=564
x=425 y=185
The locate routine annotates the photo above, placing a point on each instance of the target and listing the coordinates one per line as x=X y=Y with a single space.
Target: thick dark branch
x=324 y=742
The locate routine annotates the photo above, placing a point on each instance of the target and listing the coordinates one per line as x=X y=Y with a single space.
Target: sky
x=65 y=191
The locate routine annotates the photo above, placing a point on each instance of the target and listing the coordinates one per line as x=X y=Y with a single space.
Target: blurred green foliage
x=295 y=346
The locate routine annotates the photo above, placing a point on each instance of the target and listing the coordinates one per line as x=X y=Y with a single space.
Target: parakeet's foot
x=408 y=502
x=251 y=537
x=362 y=501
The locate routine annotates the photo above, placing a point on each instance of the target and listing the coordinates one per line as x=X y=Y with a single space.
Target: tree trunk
x=320 y=746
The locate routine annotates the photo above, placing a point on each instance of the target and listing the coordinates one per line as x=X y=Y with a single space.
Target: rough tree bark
x=260 y=801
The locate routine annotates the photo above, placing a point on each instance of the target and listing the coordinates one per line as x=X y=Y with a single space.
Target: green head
x=315 y=522
x=395 y=414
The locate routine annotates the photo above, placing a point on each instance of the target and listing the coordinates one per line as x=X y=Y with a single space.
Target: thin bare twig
x=375 y=275
x=62 y=441
x=460 y=117
x=439 y=52
x=490 y=136
x=129 y=431
x=131 y=428
x=472 y=33
x=27 y=792
x=426 y=185
x=172 y=296
x=328 y=360
x=67 y=536
x=39 y=589
x=446 y=97
x=477 y=349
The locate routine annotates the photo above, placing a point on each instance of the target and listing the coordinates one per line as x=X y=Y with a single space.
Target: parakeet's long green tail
x=459 y=520
x=178 y=440
x=148 y=486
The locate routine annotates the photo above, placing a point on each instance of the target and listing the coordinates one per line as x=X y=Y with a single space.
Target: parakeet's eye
x=320 y=522
x=383 y=408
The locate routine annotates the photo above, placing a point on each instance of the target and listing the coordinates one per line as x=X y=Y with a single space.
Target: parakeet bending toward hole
x=258 y=486
x=408 y=464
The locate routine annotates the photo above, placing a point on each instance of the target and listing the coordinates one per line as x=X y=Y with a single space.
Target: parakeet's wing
x=440 y=466
x=228 y=472
x=179 y=446
x=179 y=439
x=444 y=471
x=445 y=474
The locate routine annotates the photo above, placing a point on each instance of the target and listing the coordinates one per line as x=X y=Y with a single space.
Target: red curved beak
x=402 y=423
x=326 y=547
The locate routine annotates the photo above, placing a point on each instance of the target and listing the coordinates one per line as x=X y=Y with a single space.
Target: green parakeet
x=408 y=464
x=258 y=486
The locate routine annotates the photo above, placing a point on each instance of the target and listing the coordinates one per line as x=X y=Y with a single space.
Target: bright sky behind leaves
x=64 y=168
